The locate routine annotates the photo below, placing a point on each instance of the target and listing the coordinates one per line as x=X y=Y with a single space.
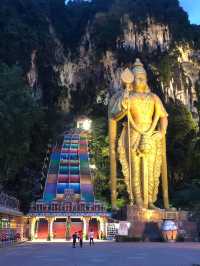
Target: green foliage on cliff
x=23 y=27
x=99 y=146
x=167 y=65
x=24 y=134
x=19 y=115
x=106 y=28
x=100 y=158
x=182 y=144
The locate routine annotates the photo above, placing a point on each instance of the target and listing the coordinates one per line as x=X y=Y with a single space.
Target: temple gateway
x=68 y=204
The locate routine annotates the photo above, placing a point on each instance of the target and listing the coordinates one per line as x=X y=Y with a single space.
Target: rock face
x=105 y=43
x=104 y=72
x=182 y=85
x=32 y=77
x=153 y=36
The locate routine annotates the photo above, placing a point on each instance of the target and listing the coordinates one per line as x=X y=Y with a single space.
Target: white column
x=50 y=228
x=21 y=227
x=85 y=226
x=32 y=228
x=36 y=227
x=102 y=226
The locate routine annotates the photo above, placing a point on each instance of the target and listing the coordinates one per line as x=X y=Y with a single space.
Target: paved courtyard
x=106 y=254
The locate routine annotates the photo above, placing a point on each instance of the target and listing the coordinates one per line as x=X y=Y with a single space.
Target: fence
x=10 y=236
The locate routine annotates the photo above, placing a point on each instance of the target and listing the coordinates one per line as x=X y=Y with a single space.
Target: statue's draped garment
x=146 y=150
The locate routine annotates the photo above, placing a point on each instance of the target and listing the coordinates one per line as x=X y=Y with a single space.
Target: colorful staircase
x=52 y=175
x=87 y=193
x=69 y=170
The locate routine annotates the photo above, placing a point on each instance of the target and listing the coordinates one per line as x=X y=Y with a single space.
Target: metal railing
x=9 y=236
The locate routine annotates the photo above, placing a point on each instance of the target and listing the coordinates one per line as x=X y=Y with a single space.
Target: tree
x=100 y=157
x=181 y=142
x=20 y=117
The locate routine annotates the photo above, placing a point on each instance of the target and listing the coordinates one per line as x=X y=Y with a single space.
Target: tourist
x=74 y=237
x=101 y=235
x=91 y=237
x=80 y=236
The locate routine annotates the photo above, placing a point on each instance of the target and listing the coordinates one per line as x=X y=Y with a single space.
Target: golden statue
x=142 y=145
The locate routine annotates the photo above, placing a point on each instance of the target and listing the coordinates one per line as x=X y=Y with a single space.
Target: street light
x=87 y=124
x=84 y=124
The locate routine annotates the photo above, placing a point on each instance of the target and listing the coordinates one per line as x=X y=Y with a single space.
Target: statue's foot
x=153 y=207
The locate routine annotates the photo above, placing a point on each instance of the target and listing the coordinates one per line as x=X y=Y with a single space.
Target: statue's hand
x=162 y=132
x=158 y=134
x=154 y=133
x=149 y=133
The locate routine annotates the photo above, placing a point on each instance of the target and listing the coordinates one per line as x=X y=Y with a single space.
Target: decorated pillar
x=50 y=228
x=85 y=227
x=36 y=227
x=68 y=228
x=102 y=228
x=32 y=228
x=22 y=223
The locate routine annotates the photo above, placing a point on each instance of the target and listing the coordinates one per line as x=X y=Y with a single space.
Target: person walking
x=74 y=237
x=91 y=237
x=80 y=236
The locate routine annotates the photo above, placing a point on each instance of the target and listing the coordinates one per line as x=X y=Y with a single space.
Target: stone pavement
x=104 y=254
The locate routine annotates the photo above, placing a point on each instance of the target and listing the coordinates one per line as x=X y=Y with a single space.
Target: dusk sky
x=193 y=9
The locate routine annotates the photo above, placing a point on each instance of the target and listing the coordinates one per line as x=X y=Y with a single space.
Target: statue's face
x=140 y=82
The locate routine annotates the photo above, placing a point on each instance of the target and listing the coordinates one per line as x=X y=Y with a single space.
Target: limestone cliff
x=153 y=36
x=150 y=40
x=81 y=48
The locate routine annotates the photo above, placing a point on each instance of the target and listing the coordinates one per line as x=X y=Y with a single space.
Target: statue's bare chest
x=142 y=104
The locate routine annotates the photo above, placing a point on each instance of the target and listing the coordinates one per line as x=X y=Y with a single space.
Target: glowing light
x=93 y=166
x=87 y=124
x=84 y=124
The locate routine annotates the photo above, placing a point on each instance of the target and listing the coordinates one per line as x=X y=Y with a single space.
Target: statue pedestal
x=146 y=224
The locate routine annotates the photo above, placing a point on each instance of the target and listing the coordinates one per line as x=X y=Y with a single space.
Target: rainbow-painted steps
x=50 y=186
x=69 y=170
x=87 y=193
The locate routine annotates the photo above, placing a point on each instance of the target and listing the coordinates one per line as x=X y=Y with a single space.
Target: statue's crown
x=138 y=67
x=127 y=76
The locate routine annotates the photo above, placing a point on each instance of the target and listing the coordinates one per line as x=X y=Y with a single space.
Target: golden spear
x=128 y=78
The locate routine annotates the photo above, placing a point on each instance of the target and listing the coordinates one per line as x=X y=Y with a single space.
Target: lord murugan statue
x=141 y=146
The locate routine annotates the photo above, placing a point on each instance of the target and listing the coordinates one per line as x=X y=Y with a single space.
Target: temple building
x=68 y=204
x=11 y=219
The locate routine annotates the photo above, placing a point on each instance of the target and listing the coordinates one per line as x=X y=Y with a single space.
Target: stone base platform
x=146 y=224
